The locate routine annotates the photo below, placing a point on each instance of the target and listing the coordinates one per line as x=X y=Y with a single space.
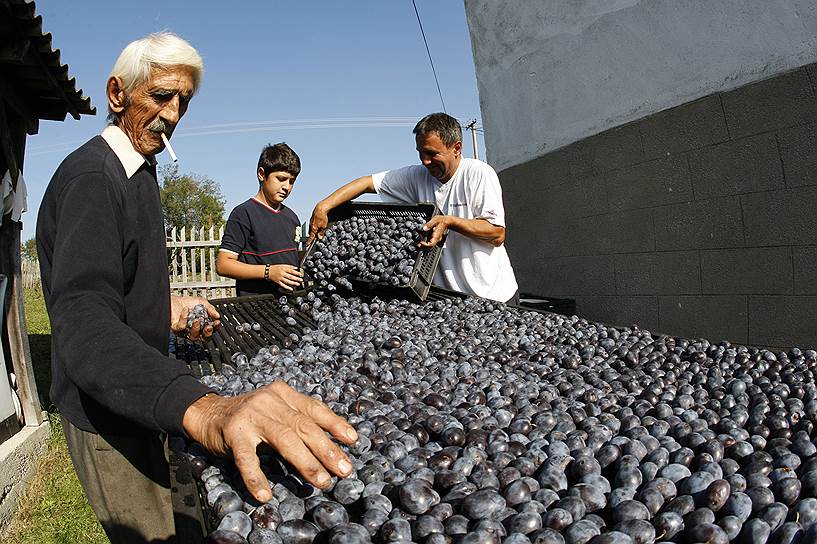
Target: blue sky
x=273 y=72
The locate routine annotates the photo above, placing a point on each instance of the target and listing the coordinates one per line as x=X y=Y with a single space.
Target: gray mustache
x=161 y=126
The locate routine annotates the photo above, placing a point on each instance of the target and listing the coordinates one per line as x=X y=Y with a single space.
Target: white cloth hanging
x=14 y=201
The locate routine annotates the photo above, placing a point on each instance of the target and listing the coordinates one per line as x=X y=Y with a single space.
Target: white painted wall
x=551 y=72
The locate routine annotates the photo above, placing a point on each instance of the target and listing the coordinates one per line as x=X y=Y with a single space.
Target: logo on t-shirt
x=459 y=205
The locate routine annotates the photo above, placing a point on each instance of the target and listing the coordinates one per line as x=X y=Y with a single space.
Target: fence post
x=174 y=254
x=184 y=259
x=202 y=265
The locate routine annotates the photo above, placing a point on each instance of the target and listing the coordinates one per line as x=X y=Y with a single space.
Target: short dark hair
x=279 y=158
x=446 y=127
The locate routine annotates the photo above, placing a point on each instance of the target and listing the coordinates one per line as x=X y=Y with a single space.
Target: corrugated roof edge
x=64 y=87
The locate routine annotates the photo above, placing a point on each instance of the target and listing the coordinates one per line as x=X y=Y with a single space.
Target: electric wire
x=437 y=81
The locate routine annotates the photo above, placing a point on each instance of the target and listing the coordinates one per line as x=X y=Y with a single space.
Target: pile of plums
x=485 y=424
x=372 y=249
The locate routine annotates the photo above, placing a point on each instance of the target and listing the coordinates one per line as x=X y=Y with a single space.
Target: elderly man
x=101 y=242
x=468 y=193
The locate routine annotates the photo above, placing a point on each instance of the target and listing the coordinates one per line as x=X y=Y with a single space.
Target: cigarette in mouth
x=169 y=149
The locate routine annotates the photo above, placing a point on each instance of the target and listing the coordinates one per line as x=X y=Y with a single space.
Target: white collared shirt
x=466 y=265
x=123 y=148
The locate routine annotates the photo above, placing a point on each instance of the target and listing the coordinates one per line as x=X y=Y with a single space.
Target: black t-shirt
x=259 y=234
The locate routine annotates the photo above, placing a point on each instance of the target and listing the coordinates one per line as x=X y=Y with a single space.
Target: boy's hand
x=286 y=275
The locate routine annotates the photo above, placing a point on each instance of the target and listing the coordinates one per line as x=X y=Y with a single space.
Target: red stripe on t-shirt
x=267 y=206
x=269 y=253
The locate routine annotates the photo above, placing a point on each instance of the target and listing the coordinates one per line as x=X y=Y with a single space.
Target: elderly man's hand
x=180 y=309
x=438 y=225
x=293 y=424
x=318 y=222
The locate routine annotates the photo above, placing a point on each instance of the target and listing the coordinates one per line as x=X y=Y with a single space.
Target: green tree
x=190 y=200
x=28 y=249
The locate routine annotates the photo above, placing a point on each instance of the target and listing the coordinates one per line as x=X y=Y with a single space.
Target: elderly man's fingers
x=181 y=323
x=326 y=451
x=249 y=466
x=291 y=447
x=319 y=412
x=195 y=329
x=211 y=310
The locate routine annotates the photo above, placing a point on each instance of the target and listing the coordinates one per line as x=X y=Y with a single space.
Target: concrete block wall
x=700 y=220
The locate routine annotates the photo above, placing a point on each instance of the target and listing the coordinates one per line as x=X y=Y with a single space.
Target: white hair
x=162 y=49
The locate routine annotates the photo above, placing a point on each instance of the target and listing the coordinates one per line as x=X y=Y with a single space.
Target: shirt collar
x=122 y=147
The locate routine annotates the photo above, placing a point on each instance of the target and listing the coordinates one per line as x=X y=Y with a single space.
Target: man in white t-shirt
x=468 y=193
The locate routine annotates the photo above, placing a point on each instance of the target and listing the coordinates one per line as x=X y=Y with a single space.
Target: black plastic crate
x=563 y=306
x=426 y=262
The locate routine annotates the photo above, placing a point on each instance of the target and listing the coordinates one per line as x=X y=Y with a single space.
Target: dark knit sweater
x=103 y=262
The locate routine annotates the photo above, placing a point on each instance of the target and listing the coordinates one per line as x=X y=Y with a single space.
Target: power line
x=429 y=54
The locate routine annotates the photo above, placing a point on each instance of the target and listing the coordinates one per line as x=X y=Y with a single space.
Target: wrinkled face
x=442 y=161
x=155 y=106
x=276 y=186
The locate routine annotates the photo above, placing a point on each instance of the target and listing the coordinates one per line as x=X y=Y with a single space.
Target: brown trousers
x=126 y=479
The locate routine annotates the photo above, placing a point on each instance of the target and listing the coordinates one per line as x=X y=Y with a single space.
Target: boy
x=258 y=248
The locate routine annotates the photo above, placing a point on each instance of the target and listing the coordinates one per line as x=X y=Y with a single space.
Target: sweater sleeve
x=101 y=354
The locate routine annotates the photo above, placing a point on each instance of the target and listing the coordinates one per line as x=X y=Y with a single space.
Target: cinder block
x=569 y=276
x=741 y=166
x=783 y=321
x=622 y=232
x=620 y=311
x=543 y=172
x=781 y=218
x=539 y=238
x=580 y=198
x=530 y=238
x=580 y=157
x=805 y=270
x=764 y=270
x=697 y=225
x=653 y=183
x=697 y=124
x=713 y=317
x=616 y=148
x=811 y=70
x=660 y=273
x=628 y=232
x=798 y=148
x=771 y=104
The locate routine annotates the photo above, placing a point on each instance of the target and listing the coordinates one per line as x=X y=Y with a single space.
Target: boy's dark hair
x=446 y=127
x=279 y=158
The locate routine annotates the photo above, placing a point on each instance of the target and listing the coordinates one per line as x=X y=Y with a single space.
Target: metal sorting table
x=206 y=358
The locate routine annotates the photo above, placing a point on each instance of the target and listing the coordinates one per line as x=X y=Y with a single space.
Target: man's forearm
x=479 y=229
x=348 y=192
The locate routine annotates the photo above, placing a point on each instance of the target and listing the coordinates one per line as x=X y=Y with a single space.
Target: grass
x=53 y=510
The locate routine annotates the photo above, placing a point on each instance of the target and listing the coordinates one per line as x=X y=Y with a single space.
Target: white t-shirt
x=466 y=265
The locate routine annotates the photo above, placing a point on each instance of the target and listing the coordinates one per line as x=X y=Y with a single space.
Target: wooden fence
x=30 y=269
x=191 y=255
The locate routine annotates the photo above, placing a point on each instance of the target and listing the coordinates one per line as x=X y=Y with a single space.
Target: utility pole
x=472 y=126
